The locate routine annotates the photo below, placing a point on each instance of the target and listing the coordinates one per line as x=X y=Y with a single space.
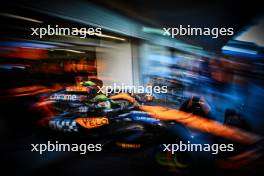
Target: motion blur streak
x=21 y=17
x=32 y=90
x=24 y=53
x=202 y=124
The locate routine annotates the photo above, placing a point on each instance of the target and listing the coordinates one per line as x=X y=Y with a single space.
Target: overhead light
x=153 y=30
x=106 y=36
x=20 y=17
x=70 y=50
x=110 y=36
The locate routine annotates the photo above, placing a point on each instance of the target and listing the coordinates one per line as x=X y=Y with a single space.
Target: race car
x=126 y=124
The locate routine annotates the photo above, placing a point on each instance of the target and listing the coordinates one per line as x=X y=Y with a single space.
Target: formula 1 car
x=123 y=123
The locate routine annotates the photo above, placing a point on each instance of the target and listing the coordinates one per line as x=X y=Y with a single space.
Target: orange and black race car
x=121 y=122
